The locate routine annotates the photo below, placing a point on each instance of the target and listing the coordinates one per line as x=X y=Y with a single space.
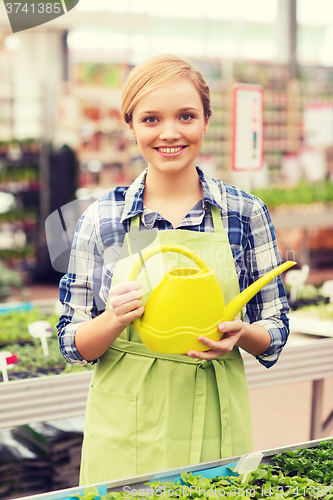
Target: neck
x=172 y=186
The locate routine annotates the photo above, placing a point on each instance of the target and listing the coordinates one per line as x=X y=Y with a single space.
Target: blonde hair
x=156 y=72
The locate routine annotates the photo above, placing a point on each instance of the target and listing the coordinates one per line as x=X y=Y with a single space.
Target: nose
x=170 y=131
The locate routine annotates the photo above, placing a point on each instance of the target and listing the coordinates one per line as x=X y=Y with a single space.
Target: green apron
x=148 y=411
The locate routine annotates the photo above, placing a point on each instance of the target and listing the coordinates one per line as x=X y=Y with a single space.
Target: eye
x=150 y=119
x=187 y=117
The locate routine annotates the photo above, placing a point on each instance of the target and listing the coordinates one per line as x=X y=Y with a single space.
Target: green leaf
x=90 y=493
x=189 y=479
x=204 y=482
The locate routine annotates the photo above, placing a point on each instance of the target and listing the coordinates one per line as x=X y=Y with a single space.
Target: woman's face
x=168 y=124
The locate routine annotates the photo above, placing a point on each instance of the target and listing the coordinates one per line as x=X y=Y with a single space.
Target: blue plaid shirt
x=99 y=236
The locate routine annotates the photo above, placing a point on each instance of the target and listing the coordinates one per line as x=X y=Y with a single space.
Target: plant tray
x=208 y=470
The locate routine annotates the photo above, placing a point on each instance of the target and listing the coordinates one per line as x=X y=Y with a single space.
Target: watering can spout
x=233 y=308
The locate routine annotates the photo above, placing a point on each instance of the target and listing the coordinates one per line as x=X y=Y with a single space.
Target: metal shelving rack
x=61 y=396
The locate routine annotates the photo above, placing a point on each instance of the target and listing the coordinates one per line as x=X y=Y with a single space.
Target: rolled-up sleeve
x=79 y=288
x=269 y=307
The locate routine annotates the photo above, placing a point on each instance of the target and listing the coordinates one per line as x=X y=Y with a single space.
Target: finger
x=127 y=307
x=230 y=326
x=206 y=355
x=218 y=345
x=219 y=348
x=212 y=344
x=124 y=287
x=132 y=315
x=118 y=300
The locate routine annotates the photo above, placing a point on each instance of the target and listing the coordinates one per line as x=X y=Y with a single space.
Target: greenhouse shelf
x=44 y=305
x=304 y=217
x=43 y=398
x=207 y=469
x=64 y=395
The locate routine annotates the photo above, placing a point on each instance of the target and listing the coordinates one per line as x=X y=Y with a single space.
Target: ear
x=206 y=127
x=131 y=129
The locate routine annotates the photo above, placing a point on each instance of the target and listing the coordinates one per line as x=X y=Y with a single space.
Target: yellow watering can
x=189 y=303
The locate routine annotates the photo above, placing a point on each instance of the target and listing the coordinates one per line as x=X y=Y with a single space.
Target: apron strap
x=135 y=223
x=134 y=228
x=224 y=398
x=216 y=216
x=138 y=348
x=217 y=221
x=199 y=411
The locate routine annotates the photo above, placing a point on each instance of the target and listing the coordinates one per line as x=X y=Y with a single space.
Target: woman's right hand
x=125 y=301
x=93 y=338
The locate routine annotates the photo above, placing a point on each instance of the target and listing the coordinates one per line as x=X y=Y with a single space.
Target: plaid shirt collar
x=134 y=195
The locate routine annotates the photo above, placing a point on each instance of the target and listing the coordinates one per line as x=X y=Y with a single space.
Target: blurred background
x=62 y=137
x=62 y=140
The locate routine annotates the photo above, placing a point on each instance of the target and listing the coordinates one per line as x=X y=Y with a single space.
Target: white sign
x=248 y=117
x=318 y=125
x=41 y=330
x=6 y=364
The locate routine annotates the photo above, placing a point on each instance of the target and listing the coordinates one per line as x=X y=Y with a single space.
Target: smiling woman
x=168 y=116
x=170 y=136
x=170 y=141
x=150 y=411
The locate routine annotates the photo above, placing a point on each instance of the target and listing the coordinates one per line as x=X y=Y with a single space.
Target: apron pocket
x=111 y=431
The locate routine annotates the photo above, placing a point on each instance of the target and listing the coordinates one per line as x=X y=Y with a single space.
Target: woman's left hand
x=232 y=331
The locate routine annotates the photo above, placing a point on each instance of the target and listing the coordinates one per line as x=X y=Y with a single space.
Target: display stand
x=65 y=395
x=139 y=483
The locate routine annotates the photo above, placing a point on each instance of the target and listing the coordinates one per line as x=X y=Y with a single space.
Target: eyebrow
x=181 y=110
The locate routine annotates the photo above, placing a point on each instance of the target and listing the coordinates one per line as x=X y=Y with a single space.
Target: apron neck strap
x=217 y=221
x=135 y=223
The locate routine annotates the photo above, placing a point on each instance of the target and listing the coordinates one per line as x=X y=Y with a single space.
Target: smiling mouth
x=171 y=150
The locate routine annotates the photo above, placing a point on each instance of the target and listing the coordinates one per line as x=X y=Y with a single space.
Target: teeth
x=169 y=150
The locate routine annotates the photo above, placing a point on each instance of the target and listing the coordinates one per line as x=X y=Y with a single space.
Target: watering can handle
x=164 y=248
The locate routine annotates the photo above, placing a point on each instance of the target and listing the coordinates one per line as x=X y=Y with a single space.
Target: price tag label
x=41 y=330
x=248 y=126
x=318 y=125
x=7 y=360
